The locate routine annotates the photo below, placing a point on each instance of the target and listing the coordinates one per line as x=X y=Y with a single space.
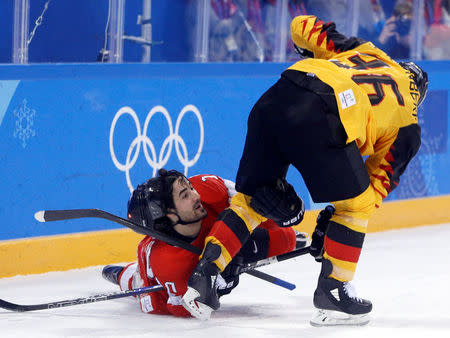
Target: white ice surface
x=404 y=273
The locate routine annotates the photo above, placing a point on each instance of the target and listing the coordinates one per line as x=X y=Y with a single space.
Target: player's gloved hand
x=253 y=250
x=230 y=276
x=279 y=202
x=318 y=236
x=301 y=239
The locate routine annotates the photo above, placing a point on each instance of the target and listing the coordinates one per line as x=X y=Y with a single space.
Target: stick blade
x=11 y=306
x=40 y=216
x=61 y=215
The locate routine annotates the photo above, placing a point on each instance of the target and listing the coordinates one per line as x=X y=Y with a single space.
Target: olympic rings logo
x=154 y=161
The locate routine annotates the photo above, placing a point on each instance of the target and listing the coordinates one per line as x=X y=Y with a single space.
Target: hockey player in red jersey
x=346 y=118
x=186 y=209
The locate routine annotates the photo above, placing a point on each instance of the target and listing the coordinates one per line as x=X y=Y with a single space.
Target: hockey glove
x=318 y=236
x=230 y=276
x=279 y=202
x=301 y=239
x=254 y=249
x=201 y=297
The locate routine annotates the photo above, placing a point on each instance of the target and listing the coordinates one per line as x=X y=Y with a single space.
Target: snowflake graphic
x=420 y=179
x=24 y=123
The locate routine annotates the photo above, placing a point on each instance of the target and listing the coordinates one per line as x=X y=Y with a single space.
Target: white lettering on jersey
x=209 y=176
x=171 y=291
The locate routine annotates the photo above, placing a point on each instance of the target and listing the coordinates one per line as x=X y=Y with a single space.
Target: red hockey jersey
x=161 y=263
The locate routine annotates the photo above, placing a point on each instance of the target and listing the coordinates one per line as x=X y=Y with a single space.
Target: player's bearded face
x=187 y=201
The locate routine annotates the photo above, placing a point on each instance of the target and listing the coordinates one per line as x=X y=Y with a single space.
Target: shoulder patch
x=347 y=98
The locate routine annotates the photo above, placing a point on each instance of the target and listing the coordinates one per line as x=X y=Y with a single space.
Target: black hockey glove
x=279 y=202
x=318 y=236
x=301 y=239
x=254 y=249
x=231 y=275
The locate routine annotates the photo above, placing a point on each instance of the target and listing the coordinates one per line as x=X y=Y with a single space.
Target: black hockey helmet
x=420 y=78
x=149 y=202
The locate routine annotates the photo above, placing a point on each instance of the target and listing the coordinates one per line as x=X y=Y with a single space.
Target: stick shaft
x=58 y=215
x=77 y=301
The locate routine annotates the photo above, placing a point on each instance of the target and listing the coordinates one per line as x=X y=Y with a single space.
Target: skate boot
x=111 y=273
x=201 y=296
x=337 y=302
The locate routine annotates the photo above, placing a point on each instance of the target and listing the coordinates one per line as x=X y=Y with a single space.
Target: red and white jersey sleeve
x=215 y=192
x=163 y=264
x=171 y=267
x=136 y=275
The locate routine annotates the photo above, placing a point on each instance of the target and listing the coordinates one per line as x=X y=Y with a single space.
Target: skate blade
x=336 y=318
x=196 y=309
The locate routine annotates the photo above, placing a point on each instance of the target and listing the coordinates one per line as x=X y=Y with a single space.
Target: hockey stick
x=70 y=302
x=58 y=215
x=275 y=259
x=121 y=294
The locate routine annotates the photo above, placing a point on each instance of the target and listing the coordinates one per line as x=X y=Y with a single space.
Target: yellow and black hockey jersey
x=377 y=104
x=376 y=97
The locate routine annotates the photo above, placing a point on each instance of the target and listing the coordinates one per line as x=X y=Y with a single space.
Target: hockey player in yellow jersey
x=345 y=117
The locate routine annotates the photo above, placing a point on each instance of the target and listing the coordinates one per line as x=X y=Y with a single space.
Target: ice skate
x=111 y=273
x=337 y=303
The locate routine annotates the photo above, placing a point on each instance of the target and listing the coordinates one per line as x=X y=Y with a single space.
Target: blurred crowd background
x=52 y=31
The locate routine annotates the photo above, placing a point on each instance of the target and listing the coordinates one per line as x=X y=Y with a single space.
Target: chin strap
x=180 y=221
